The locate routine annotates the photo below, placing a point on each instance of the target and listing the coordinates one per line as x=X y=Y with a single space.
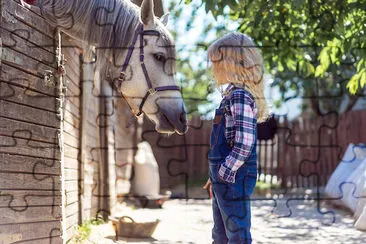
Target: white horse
x=137 y=48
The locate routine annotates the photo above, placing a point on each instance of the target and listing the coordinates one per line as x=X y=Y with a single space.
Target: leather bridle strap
x=122 y=75
x=151 y=90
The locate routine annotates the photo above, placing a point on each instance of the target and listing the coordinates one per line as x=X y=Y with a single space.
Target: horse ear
x=164 y=19
x=147 y=13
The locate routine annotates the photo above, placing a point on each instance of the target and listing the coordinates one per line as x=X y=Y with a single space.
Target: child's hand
x=208 y=187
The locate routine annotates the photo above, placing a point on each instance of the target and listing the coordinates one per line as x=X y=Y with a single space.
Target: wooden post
x=87 y=76
x=61 y=96
x=104 y=208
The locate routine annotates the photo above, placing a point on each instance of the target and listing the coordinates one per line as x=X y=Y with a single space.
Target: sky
x=193 y=36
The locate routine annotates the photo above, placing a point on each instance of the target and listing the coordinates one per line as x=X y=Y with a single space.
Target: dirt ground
x=190 y=221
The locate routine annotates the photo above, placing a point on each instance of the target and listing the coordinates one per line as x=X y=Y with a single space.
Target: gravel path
x=191 y=222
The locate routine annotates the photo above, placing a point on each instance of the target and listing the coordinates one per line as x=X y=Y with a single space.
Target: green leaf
x=291 y=64
x=306 y=69
x=280 y=66
x=360 y=64
x=352 y=85
x=324 y=58
x=363 y=78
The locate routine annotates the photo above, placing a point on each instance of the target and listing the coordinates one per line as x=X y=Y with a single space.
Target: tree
x=305 y=43
x=194 y=30
x=314 y=47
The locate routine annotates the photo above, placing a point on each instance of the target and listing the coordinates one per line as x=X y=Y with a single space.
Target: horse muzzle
x=171 y=121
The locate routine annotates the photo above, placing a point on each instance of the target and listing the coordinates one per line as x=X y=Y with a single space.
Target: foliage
x=313 y=48
x=305 y=43
x=84 y=230
x=191 y=23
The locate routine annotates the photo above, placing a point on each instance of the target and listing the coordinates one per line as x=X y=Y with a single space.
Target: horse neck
x=106 y=24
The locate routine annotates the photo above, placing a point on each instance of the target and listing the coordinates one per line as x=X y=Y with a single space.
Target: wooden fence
x=303 y=153
x=311 y=148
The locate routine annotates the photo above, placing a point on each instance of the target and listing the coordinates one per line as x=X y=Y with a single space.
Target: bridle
x=151 y=90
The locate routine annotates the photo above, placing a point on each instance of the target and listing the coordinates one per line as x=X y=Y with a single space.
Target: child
x=232 y=156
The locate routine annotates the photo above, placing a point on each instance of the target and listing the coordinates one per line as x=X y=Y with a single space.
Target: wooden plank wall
x=30 y=186
x=110 y=146
x=91 y=158
x=120 y=144
x=71 y=132
x=98 y=148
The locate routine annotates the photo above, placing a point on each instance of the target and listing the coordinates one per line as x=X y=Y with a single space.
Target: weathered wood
x=92 y=110
x=72 y=123
x=39 y=133
x=28 y=114
x=30 y=82
x=92 y=122
x=15 y=42
x=71 y=163
x=71 y=119
x=72 y=83
x=16 y=163
x=73 y=71
x=26 y=31
x=92 y=136
x=26 y=61
x=27 y=147
x=74 y=99
x=9 y=181
x=69 y=233
x=71 y=152
x=71 y=197
x=20 y=95
x=71 y=139
x=21 y=200
x=70 y=107
x=32 y=214
x=27 y=232
x=27 y=17
x=71 y=174
x=69 y=128
x=71 y=185
x=71 y=209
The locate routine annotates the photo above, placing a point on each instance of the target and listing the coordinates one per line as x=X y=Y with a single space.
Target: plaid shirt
x=241 y=123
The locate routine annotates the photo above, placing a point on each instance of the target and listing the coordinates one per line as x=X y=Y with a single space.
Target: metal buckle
x=152 y=91
x=122 y=76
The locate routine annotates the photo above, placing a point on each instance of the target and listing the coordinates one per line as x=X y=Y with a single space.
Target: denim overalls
x=231 y=203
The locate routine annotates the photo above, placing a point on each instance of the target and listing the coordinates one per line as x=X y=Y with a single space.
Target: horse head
x=147 y=78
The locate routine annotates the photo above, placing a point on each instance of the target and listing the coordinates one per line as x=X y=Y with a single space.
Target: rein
x=122 y=77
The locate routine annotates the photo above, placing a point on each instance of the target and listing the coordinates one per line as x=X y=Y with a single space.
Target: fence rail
x=303 y=153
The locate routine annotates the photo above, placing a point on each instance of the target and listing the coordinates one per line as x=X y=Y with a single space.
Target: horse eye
x=159 y=57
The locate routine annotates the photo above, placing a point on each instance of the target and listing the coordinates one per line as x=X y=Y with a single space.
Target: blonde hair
x=235 y=59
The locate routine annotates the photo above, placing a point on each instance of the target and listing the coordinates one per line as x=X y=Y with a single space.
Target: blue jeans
x=231 y=205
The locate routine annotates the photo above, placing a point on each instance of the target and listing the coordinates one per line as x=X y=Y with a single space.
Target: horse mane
x=108 y=25
x=102 y=23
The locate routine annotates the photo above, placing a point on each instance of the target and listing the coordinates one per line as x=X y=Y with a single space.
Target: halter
x=151 y=90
